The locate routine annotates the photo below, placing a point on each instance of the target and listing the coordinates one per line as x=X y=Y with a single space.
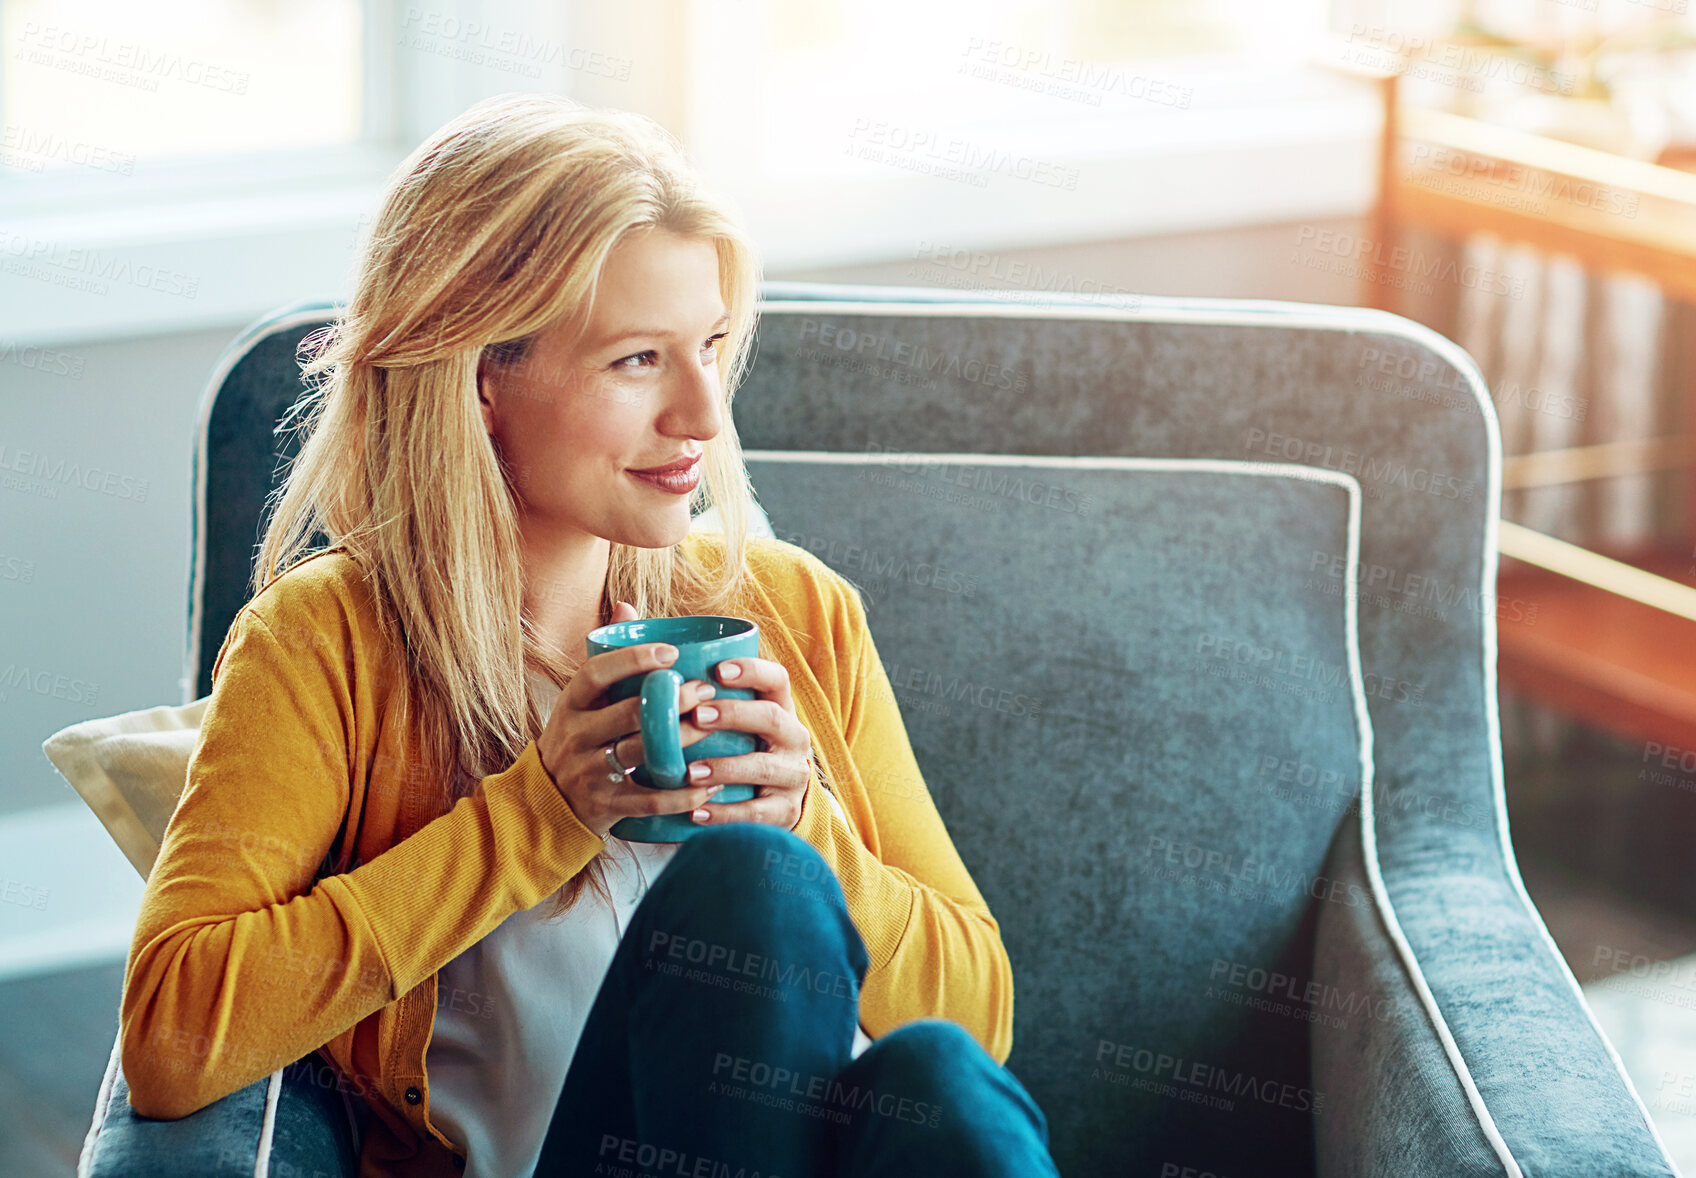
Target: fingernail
x=699 y=771
x=728 y=670
x=706 y=713
x=702 y=815
x=715 y=791
x=666 y=654
x=707 y=691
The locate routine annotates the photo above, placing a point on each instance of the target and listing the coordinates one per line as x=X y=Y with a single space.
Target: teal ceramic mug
x=702 y=642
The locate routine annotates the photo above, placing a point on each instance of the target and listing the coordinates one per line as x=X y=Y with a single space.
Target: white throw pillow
x=131 y=770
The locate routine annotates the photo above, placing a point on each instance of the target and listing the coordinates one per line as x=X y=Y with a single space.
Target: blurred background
x=1519 y=175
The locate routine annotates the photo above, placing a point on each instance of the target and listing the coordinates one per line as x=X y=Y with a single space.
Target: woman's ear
x=486 y=393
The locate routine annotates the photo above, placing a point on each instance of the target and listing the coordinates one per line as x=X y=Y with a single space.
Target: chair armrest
x=298 y=1122
x=1538 y=1089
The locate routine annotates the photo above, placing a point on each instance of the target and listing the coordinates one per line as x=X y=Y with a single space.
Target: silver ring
x=619 y=771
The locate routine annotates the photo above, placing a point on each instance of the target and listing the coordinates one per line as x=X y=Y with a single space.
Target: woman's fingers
x=782 y=784
x=781 y=774
x=628 y=799
x=757 y=717
x=601 y=671
x=761 y=676
x=774 y=770
x=616 y=719
x=625 y=716
x=771 y=809
x=674 y=801
x=602 y=726
x=780 y=768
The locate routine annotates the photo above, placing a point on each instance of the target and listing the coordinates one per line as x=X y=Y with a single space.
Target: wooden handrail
x=1530 y=150
x=1594 y=569
x=1606 y=460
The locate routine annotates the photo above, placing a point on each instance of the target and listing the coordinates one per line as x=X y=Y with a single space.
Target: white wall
x=1250 y=263
x=93 y=582
x=93 y=592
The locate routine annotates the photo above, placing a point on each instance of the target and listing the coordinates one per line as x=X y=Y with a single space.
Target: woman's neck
x=565 y=590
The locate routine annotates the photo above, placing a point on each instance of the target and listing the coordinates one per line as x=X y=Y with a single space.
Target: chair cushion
x=1139 y=709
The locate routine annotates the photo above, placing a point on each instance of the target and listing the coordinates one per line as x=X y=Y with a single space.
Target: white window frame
x=257 y=231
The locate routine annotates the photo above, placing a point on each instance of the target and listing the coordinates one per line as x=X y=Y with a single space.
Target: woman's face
x=640 y=389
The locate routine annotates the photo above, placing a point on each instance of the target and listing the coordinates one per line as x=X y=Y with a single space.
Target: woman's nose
x=696 y=407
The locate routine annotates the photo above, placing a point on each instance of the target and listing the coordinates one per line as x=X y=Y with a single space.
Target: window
x=259 y=132
x=846 y=130
x=106 y=85
x=844 y=88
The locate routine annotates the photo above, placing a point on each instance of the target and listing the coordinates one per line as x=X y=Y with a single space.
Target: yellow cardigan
x=240 y=964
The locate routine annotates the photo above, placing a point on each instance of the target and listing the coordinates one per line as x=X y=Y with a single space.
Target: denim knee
x=752 y=859
x=752 y=884
x=926 y=1053
x=928 y=1099
x=937 y=1062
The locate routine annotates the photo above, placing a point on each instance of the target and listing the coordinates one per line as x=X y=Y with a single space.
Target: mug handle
x=662 y=743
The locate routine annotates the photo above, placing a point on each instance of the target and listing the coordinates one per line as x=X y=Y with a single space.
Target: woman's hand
x=783 y=766
x=582 y=724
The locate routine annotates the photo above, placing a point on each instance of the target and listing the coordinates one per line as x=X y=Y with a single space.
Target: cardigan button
x=413 y=1096
x=458 y=1162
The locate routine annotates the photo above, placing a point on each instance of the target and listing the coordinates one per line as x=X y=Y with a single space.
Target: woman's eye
x=647 y=359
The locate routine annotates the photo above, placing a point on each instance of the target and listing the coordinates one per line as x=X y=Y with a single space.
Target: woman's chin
x=658 y=533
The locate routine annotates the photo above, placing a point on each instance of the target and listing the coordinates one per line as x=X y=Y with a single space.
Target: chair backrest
x=1109 y=669
x=868 y=370
x=238 y=460
x=871 y=370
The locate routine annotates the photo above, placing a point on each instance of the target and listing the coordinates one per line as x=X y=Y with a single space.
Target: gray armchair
x=1189 y=607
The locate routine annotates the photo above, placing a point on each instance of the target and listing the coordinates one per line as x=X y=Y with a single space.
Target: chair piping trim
x=107 y=1082
x=273 y=1094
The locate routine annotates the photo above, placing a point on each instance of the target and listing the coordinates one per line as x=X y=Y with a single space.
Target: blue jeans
x=720 y=1042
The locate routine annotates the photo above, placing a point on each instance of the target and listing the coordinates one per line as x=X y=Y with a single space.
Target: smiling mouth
x=679 y=481
x=683 y=466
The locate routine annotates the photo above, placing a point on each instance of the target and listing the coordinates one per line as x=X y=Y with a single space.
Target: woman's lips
x=678 y=482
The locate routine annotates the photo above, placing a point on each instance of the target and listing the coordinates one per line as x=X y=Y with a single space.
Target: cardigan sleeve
x=240 y=962
x=935 y=949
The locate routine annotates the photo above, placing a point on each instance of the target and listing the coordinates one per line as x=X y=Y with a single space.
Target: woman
x=547 y=311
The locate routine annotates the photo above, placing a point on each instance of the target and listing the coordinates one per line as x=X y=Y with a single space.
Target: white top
x=511 y=1008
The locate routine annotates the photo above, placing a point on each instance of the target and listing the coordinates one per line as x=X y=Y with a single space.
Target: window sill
x=208 y=244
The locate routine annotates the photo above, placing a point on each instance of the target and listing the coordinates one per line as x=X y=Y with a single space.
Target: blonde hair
x=495 y=229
